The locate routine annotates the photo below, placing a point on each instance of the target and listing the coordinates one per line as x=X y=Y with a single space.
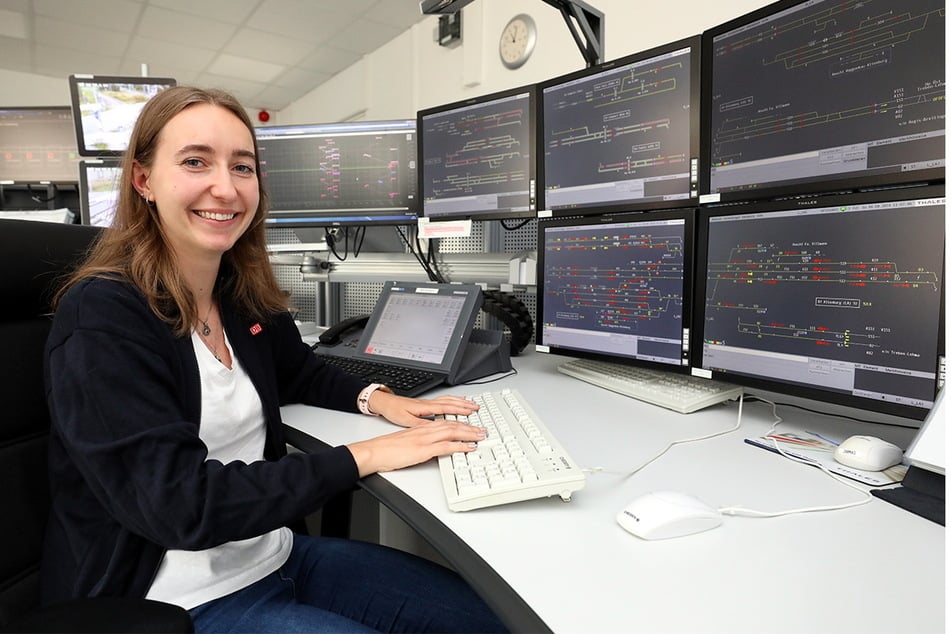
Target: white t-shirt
x=232 y=427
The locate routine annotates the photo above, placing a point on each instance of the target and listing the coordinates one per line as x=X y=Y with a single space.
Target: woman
x=170 y=355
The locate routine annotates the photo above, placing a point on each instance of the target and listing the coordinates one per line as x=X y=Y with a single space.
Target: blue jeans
x=341 y=585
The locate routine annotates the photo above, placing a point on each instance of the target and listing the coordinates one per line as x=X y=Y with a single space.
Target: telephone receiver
x=332 y=335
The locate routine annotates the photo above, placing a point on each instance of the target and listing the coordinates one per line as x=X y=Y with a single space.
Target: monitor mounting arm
x=577 y=15
x=591 y=23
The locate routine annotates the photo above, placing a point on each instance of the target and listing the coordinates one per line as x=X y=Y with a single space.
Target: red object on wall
x=264 y=116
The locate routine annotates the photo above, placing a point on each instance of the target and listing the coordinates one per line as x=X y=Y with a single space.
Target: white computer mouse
x=867 y=453
x=664 y=514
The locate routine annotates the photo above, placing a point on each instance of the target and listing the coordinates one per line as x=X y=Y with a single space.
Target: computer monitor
x=624 y=134
x=477 y=157
x=823 y=96
x=105 y=109
x=98 y=191
x=617 y=287
x=838 y=299
x=355 y=173
x=37 y=144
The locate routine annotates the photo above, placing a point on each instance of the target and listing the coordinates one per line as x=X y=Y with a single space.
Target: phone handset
x=333 y=334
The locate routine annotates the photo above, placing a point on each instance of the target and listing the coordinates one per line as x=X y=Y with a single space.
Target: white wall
x=24 y=89
x=413 y=72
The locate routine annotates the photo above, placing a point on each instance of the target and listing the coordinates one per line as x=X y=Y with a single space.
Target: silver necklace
x=206 y=331
x=205 y=328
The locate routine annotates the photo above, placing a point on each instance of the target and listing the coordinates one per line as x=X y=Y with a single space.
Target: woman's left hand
x=409 y=412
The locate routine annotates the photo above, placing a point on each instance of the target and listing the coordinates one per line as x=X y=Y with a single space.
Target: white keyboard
x=518 y=460
x=679 y=392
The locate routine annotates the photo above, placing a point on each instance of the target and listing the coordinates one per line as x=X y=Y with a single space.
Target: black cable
x=330 y=237
x=418 y=257
x=821 y=413
x=511 y=372
x=518 y=226
x=361 y=234
x=431 y=257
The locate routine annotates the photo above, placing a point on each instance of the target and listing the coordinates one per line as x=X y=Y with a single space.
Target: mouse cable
x=739 y=417
x=739 y=510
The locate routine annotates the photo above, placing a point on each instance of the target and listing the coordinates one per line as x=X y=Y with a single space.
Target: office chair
x=33 y=255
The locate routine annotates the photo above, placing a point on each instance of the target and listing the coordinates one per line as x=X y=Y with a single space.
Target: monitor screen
x=98 y=191
x=824 y=96
x=617 y=288
x=477 y=157
x=330 y=174
x=105 y=109
x=37 y=144
x=623 y=134
x=836 y=298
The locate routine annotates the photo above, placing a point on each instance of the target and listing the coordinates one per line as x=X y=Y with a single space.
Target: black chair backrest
x=33 y=258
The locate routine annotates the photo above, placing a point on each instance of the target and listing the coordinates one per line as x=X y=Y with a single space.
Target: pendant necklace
x=205 y=331
x=205 y=328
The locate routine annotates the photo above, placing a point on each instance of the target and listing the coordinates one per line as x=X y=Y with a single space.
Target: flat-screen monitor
x=98 y=191
x=624 y=134
x=824 y=96
x=105 y=109
x=617 y=287
x=37 y=144
x=355 y=173
x=835 y=298
x=477 y=157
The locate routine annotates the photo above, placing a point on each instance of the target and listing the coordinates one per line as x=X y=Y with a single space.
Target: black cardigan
x=129 y=475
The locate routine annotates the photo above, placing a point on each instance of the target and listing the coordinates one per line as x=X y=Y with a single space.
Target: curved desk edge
x=517 y=615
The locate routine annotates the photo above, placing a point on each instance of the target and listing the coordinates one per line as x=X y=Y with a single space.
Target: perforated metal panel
x=303 y=292
x=524 y=238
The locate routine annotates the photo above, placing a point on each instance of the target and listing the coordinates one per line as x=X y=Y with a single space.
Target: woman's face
x=203 y=181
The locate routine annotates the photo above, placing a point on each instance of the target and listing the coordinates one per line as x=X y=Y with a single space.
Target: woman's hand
x=412 y=446
x=410 y=412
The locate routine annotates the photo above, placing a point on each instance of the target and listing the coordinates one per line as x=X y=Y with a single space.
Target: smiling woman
x=169 y=358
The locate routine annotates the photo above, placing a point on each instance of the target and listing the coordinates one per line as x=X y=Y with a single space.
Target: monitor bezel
x=694 y=44
x=53 y=181
x=75 y=81
x=811 y=393
x=84 y=166
x=327 y=218
x=531 y=90
x=689 y=215
x=854 y=182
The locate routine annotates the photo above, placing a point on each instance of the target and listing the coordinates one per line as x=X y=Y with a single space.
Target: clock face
x=517 y=41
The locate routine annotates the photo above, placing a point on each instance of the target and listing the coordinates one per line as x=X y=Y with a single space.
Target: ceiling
x=266 y=52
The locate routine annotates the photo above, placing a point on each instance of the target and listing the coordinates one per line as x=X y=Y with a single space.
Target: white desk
x=569 y=566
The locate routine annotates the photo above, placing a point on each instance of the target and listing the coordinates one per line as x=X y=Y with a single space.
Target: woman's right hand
x=414 y=445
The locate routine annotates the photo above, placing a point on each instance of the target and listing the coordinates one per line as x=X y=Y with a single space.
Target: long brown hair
x=135 y=248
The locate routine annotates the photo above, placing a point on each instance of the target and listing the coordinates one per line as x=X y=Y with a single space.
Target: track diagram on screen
x=642 y=284
x=479 y=153
x=803 y=299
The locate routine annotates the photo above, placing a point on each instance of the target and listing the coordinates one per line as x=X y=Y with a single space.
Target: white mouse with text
x=665 y=514
x=867 y=453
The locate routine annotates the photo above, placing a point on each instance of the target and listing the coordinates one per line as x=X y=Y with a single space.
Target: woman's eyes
x=241 y=168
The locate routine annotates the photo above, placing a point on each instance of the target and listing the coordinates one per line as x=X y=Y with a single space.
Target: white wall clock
x=517 y=41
